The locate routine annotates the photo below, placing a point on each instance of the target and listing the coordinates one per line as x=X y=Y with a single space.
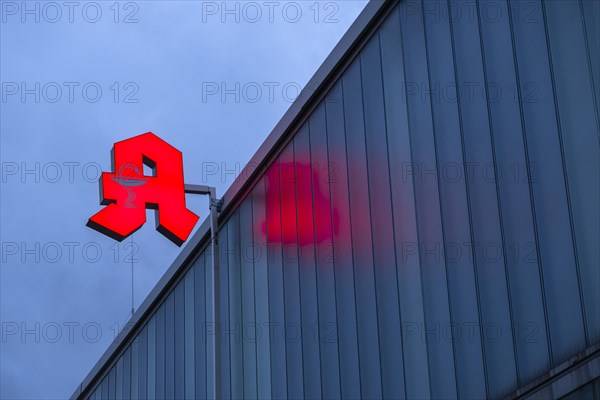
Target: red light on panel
x=298 y=218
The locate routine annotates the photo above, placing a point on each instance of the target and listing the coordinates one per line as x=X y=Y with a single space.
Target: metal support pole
x=214 y=228
x=215 y=209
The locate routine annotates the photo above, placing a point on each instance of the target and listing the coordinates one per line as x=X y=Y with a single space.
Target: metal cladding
x=430 y=229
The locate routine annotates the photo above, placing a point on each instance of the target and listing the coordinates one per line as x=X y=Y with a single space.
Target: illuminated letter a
x=127 y=193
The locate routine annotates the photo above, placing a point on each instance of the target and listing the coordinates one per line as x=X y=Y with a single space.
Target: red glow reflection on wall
x=288 y=210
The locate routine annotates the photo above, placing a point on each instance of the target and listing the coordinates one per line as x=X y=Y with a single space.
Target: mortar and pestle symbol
x=130 y=176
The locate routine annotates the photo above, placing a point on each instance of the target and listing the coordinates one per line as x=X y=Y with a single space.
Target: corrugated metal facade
x=432 y=230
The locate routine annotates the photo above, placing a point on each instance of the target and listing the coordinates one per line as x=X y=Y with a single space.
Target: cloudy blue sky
x=211 y=78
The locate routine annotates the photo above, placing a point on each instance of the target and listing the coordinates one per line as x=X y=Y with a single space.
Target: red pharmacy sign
x=127 y=192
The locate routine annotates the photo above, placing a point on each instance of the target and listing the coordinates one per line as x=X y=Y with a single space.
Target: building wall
x=412 y=239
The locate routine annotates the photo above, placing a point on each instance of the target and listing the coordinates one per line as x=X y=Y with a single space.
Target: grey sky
x=160 y=66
